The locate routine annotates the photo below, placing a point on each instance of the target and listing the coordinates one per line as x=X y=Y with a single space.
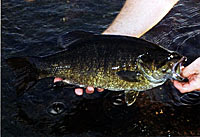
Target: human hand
x=79 y=91
x=192 y=72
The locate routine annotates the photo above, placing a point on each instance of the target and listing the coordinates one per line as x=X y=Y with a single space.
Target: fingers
x=57 y=80
x=89 y=90
x=192 y=72
x=193 y=68
x=79 y=91
x=182 y=87
x=185 y=87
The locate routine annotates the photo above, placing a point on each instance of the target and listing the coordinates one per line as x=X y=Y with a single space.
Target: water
x=31 y=27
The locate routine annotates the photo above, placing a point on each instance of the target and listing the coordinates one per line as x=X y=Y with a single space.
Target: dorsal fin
x=72 y=37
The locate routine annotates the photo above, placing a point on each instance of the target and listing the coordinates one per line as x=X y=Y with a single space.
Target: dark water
x=32 y=27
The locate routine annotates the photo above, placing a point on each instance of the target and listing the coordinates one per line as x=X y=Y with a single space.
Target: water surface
x=31 y=27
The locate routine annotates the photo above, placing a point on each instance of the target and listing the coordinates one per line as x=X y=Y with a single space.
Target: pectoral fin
x=129 y=76
x=130 y=97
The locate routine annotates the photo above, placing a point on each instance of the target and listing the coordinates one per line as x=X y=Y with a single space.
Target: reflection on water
x=31 y=27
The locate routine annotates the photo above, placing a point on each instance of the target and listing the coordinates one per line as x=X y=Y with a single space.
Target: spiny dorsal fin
x=72 y=37
x=130 y=97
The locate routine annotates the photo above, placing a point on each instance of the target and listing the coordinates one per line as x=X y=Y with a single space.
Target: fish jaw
x=176 y=70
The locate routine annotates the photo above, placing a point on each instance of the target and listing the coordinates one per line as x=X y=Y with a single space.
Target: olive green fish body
x=103 y=61
x=96 y=61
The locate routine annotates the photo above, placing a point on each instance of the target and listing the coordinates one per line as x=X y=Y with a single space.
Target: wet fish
x=116 y=63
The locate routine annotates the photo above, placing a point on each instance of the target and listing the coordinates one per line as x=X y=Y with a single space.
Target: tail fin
x=26 y=73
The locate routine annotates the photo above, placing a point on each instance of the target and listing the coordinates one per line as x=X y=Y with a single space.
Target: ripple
x=56 y=108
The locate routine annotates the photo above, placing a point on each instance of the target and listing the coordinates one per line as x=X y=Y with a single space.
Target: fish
x=112 y=62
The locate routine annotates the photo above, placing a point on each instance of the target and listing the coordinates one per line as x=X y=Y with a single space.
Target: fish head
x=157 y=68
x=170 y=66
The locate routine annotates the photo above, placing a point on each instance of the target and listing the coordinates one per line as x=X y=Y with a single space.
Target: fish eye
x=164 y=70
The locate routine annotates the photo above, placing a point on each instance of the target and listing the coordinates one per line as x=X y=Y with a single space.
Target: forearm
x=138 y=16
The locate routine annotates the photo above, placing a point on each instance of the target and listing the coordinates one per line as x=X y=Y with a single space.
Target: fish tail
x=26 y=73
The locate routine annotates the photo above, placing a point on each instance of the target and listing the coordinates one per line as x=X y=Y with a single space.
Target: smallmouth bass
x=111 y=62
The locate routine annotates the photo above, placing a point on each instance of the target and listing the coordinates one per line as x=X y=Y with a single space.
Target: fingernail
x=79 y=91
x=57 y=79
x=100 y=89
x=90 y=90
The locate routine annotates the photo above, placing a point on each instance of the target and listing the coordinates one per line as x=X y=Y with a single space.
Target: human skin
x=135 y=19
x=192 y=72
x=139 y=16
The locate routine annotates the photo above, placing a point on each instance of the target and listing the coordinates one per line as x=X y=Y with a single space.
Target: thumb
x=191 y=69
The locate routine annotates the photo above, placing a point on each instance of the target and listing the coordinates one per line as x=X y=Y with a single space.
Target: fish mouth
x=176 y=70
